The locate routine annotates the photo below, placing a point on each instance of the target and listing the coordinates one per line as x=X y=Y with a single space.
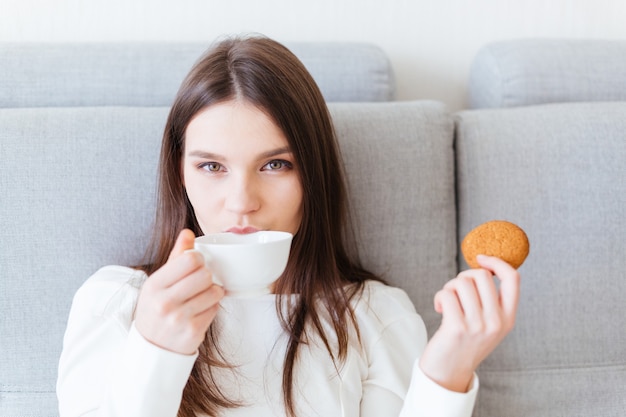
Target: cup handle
x=207 y=261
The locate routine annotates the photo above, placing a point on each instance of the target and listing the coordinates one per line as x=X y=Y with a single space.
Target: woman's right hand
x=179 y=301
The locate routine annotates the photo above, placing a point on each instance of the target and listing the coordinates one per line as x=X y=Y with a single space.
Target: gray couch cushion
x=78 y=191
x=145 y=74
x=400 y=166
x=559 y=172
x=537 y=71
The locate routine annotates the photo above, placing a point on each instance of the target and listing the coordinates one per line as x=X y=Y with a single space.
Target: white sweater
x=108 y=369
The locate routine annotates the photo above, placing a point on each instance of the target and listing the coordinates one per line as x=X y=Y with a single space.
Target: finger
x=205 y=318
x=205 y=300
x=184 y=241
x=190 y=286
x=486 y=288
x=176 y=269
x=467 y=294
x=447 y=304
x=509 y=282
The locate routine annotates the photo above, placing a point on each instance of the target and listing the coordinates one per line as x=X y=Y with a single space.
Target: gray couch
x=80 y=127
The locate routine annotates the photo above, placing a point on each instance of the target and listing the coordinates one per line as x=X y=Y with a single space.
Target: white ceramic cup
x=246 y=265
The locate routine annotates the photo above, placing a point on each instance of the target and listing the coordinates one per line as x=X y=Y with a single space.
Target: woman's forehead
x=233 y=126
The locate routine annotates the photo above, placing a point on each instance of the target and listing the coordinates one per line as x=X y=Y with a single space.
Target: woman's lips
x=242 y=230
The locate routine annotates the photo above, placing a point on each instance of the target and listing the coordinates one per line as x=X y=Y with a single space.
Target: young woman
x=249 y=145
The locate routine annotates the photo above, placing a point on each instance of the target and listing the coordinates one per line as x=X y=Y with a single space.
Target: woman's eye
x=211 y=166
x=277 y=164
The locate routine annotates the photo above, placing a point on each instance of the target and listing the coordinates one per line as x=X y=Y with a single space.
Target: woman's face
x=239 y=172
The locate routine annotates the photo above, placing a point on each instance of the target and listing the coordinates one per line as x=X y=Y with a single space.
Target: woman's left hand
x=476 y=316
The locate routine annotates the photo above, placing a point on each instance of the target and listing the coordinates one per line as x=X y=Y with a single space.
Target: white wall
x=430 y=42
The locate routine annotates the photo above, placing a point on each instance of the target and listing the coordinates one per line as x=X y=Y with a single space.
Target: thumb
x=184 y=241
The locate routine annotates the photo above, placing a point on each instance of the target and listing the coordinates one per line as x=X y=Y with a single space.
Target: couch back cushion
x=149 y=74
x=399 y=162
x=537 y=71
x=558 y=171
x=78 y=188
x=78 y=193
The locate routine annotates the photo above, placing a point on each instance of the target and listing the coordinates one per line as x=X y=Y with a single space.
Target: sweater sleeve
x=427 y=398
x=107 y=369
x=395 y=384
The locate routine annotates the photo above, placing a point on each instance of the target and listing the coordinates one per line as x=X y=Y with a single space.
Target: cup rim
x=274 y=236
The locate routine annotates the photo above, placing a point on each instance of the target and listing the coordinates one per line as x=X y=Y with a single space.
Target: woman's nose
x=243 y=194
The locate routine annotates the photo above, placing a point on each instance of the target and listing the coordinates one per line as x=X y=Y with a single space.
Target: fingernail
x=481 y=258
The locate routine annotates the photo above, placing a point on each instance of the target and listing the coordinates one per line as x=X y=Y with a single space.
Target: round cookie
x=498 y=238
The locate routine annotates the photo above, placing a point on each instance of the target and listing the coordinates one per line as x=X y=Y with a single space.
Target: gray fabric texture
x=78 y=193
x=558 y=392
x=559 y=172
x=77 y=188
x=400 y=166
x=537 y=71
x=149 y=74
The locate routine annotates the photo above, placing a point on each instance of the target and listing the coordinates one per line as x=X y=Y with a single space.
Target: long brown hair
x=320 y=269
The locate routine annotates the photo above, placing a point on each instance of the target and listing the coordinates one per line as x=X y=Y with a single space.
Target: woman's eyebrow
x=274 y=152
x=267 y=154
x=205 y=155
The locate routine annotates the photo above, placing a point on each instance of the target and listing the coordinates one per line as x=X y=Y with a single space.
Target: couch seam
x=572 y=368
